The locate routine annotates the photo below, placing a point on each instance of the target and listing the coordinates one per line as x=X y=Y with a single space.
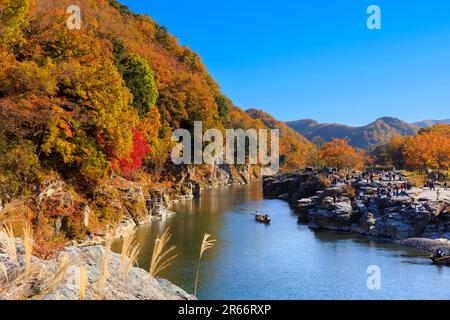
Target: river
x=284 y=260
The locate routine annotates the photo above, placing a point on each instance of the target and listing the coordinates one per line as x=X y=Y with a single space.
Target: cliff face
x=293 y=186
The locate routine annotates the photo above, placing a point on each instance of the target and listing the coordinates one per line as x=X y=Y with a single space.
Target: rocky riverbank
x=118 y=206
x=59 y=278
x=190 y=183
x=357 y=207
x=57 y=211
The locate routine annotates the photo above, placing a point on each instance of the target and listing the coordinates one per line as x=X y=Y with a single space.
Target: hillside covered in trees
x=86 y=114
x=95 y=105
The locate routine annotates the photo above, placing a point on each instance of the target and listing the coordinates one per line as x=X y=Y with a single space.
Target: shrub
x=19 y=167
x=28 y=78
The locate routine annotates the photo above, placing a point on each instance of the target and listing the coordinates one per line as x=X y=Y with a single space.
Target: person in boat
x=440 y=253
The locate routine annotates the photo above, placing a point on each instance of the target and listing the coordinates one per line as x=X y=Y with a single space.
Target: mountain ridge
x=429 y=123
x=375 y=133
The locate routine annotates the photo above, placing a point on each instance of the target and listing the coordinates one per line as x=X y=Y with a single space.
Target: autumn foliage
x=100 y=104
x=87 y=105
x=129 y=164
x=339 y=154
x=295 y=151
x=429 y=149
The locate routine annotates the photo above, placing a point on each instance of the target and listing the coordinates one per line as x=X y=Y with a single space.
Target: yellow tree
x=13 y=18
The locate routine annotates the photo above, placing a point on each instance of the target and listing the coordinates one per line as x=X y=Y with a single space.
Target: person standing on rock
x=431 y=185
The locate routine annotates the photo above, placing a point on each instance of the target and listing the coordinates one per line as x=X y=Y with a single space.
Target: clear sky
x=317 y=59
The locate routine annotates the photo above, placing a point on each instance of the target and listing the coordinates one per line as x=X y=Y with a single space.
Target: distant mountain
x=375 y=133
x=429 y=123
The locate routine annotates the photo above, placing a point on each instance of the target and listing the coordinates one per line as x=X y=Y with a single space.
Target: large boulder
x=365 y=224
x=50 y=280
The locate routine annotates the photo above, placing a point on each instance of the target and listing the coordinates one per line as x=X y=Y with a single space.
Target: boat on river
x=443 y=261
x=263 y=218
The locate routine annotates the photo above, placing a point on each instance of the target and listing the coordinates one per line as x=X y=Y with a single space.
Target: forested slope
x=92 y=105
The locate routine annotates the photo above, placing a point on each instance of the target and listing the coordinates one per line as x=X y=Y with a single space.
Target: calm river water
x=284 y=260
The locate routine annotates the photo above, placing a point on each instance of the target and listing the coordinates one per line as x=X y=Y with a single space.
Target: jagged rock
x=396 y=218
x=360 y=206
x=306 y=201
x=430 y=245
x=295 y=185
x=138 y=285
x=365 y=224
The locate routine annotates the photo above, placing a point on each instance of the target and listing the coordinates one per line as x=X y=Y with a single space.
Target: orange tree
x=338 y=153
x=429 y=149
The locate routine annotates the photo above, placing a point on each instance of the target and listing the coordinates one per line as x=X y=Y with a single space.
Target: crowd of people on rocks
x=390 y=183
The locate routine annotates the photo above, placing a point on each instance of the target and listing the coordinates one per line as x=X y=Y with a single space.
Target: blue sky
x=316 y=59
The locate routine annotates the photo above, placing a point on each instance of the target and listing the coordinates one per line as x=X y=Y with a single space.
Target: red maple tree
x=128 y=165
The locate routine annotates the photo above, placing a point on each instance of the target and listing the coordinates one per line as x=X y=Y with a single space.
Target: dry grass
x=129 y=246
x=207 y=243
x=129 y=255
x=3 y=271
x=14 y=208
x=8 y=242
x=133 y=256
x=28 y=246
x=161 y=257
x=104 y=271
x=64 y=266
x=83 y=281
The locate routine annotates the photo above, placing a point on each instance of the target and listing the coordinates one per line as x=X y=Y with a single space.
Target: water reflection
x=284 y=260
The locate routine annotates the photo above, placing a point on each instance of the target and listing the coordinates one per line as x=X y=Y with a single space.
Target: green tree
x=223 y=106
x=139 y=78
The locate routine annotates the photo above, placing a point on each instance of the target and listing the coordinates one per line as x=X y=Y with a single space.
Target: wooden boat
x=262 y=219
x=443 y=261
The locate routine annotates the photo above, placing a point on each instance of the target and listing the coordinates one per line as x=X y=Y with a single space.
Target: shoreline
x=409 y=219
x=90 y=250
x=162 y=211
x=424 y=244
